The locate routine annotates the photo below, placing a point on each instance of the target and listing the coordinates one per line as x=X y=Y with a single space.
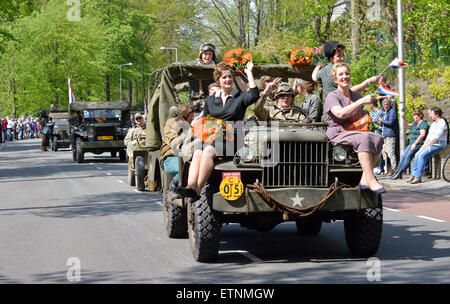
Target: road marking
x=99 y=168
x=121 y=181
x=395 y=210
x=108 y=173
x=244 y=253
x=159 y=203
x=431 y=219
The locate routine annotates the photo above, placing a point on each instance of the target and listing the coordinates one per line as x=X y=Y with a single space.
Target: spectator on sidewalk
x=419 y=129
x=436 y=140
x=389 y=125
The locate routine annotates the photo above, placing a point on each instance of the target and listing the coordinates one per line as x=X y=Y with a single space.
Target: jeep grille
x=299 y=164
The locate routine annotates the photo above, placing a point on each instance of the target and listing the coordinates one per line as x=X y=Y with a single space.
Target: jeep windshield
x=61 y=122
x=99 y=115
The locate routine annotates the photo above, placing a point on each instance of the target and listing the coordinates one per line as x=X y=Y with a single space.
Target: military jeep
x=282 y=171
x=61 y=131
x=103 y=129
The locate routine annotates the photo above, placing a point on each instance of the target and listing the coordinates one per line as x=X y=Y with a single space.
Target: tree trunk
x=108 y=88
x=355 y=7
x=258 y=21
x=130 y=92
x=241 y=24
x=389 y=9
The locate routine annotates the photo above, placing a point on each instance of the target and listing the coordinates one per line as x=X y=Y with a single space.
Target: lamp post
x=129 y=63
x=171 y=48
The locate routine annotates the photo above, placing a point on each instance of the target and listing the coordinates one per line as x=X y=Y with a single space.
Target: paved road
x=55 y=215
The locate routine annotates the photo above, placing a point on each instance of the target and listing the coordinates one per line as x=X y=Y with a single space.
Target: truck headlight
x=339 y=154
x=246 y=154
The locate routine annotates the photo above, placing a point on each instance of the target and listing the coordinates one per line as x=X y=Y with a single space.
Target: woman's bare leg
x=367 y=161
x=194 y=169
x=206 y=167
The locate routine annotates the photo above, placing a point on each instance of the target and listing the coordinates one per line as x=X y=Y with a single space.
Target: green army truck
x=283 y=171
x=60 y=138
x=103 y=129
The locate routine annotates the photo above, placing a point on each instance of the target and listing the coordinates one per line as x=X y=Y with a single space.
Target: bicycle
x=446 y=169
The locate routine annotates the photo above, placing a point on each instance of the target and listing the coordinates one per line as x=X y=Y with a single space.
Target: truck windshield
x=108 y=114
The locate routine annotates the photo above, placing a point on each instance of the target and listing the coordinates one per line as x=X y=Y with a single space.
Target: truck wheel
x=363 y=230
x=204 y=225
x=131 y=177
x=309 y=226
x=79 y=151
x=139 y=166
x=175 y=219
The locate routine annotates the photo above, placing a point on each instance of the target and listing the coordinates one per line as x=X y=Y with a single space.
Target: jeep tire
x=175 y=219
x=363 y=230
x=204 y=225
x=79 y=150
x=139 y=166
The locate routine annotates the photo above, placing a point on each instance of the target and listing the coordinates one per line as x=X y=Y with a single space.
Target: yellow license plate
x=231 y=187
x=105 y=137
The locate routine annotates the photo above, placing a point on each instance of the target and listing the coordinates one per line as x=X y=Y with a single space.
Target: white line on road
x=395 y=210
x=121 y=181
x=244 y=253
x=108 y=173
x=431 y=219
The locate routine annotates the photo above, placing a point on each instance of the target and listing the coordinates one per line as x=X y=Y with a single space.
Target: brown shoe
x=390 y=173
x=416 y=180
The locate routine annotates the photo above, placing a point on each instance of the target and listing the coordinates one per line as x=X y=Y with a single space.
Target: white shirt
x=438 y=129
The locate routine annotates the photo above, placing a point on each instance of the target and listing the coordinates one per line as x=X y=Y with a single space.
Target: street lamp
x=171 y=48
x=129 y=63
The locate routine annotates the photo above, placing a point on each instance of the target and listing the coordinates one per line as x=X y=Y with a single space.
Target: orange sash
x=361 y=124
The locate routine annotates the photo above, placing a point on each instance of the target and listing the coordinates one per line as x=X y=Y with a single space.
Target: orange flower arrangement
x=300 y=56
x=101 y=119
x=237 y=59
x=206 y=128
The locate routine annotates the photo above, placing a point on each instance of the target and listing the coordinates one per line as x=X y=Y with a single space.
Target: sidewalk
x=428 y=186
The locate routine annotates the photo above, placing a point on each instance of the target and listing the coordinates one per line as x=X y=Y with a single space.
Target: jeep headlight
x=339 y=154
x=246 y=154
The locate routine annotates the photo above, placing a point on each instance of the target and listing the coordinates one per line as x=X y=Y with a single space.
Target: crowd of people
x=24 y=127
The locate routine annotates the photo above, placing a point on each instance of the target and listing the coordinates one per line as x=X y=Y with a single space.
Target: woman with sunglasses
x=344 y=107
x=229 y=105
x=283 y=108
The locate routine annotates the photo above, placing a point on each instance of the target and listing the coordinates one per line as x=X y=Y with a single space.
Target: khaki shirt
x=136 y=133
x=173 y=136
x=265 y=112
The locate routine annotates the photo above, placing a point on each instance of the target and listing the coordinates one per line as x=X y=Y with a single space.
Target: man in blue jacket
x=389 y=123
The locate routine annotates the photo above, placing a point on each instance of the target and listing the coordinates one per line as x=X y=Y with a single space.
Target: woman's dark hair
x=418 y=113
x=219 y=69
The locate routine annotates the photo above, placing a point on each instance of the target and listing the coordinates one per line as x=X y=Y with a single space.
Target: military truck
x=284 y=171
x=103 y=130
x=61 y=131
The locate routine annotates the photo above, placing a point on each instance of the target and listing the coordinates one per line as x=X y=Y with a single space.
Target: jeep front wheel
x=204 y=225
x=363 y=230
x=139 y=172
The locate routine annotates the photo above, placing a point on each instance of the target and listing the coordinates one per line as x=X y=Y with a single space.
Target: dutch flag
x=71 y=96
x=397 y=63
x=383 y=89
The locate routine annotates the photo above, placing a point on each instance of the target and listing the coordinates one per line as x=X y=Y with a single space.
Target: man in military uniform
x=135 y=136
x=172 y=139
x=75 y=121
x=283 y=108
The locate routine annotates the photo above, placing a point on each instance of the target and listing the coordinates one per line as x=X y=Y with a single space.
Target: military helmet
x=207 y=47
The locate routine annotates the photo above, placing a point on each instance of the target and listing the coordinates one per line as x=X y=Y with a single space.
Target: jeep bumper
x=102 y=145
x=343 y=199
